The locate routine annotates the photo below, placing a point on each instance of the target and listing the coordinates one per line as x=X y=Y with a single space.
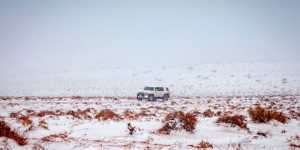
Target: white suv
x=152 y=93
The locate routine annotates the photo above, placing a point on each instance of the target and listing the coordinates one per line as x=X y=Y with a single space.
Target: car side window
x=160 y=89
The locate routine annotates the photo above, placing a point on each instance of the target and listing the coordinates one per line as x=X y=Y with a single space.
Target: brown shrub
x=45 y=113
x=25 y=120
x=6 y=131
x=235 y=120
x=143 y=113
x=55 y=137
x=203 y=145
x=107 y=114
x=196 y=112
x=262 y=115
x=14 y=115
x=84 y=114
x=293 y=114
x=177 y=121
x=208 y=113
x=43 y=124
x=81 y=113
x=37 y=147
x=130 y=115
x=76 y=97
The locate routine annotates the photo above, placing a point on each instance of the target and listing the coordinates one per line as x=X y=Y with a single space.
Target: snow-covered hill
x=187 y=80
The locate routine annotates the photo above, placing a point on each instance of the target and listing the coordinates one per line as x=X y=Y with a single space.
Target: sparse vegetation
x=177 y=121
x=107 y=114
x=208 y=113
x=235 y=120
x=294 y=142
x=294 y=114
x=203 y=145
x=141 y=120
x=25 y=120
x=262 y=115
x=76 y=97
x=261 y=133
x=6 y=131
x=43 y=124
x=55 y=137
x=130 y=115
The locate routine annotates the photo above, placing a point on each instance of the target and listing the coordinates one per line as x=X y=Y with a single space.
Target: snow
x=221 y=87
x=99 y=134
x=252 y=78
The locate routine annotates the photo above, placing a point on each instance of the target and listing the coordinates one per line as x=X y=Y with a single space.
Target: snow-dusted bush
x=262 y=115
x=177 y=121
x=235 y=120
x=107 y=114
x=6 y=131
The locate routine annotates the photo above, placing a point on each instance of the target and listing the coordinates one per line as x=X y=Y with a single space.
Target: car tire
x=166 y=97
x=151 y=98
x=138 y=97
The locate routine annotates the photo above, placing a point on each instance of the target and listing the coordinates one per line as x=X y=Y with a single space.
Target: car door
x=159 y=92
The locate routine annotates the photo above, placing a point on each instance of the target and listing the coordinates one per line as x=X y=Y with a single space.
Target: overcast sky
x=67 y=35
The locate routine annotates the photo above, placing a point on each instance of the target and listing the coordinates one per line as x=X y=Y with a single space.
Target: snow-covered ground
x=231 y=87
x=91 y=133
x=252 y=78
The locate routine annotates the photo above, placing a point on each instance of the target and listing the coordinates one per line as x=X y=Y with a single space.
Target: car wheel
x=151 y=98
x=165 y=98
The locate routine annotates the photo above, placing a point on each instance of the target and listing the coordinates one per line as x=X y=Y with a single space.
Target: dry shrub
x=76 y=97
x=264 y=134
x=262 y=115
x=30 y=128
x=24 y=120
x=203 y=145
x=45 y=113
x=236 y=146
x=55 y=137
x=177 y=121
x=143 y=113
x=293 y=114
x=43 y=124
x=14 y=114
x=131 y=129
x=196 y=112
x=37 y=147
x=130 y=115
x=79 y=114
x=6 y=131
x=107 y=114
x=222 y=113
x=30 y=112
x=235 y=120
x=208 y=113
x=84 y=114
x=294 y=142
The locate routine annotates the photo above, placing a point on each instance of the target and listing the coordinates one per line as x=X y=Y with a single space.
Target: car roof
x=157 y=86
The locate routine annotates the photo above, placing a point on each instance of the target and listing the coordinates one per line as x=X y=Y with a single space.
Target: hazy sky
x=58 y=35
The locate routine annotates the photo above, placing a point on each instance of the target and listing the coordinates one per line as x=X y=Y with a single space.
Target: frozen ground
x=91 y=133
x=256 y=78
x=231 y=88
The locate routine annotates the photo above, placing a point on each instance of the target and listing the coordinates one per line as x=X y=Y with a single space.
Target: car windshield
x=149 y=88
